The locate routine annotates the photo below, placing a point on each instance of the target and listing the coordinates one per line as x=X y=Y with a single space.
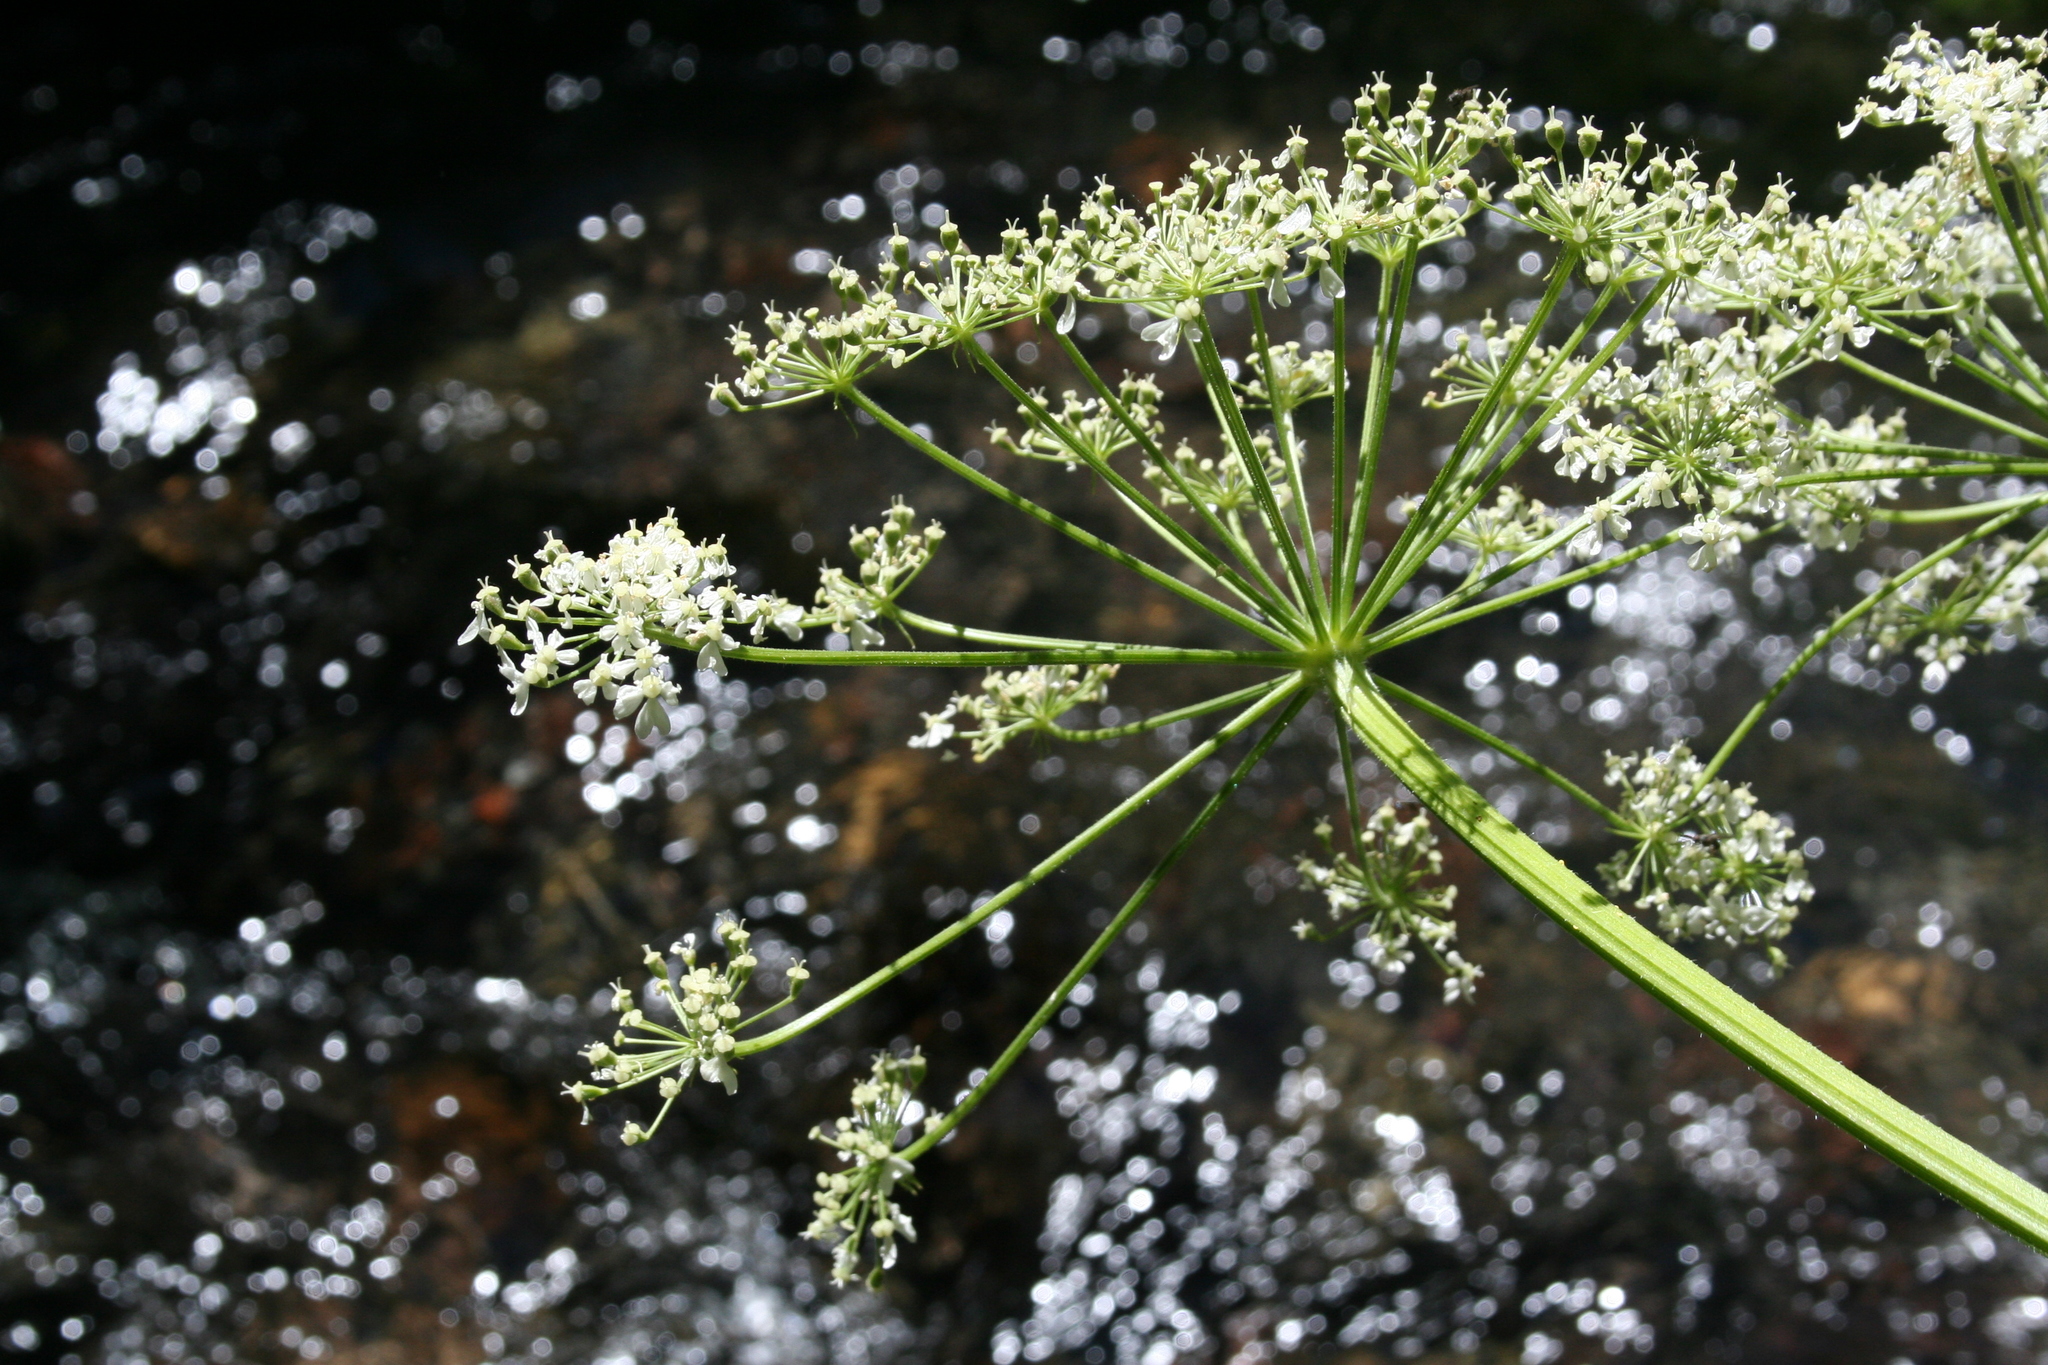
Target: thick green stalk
x=1150 y=572
x=1795 y=1065
x=882 y=976
x=1109 y=935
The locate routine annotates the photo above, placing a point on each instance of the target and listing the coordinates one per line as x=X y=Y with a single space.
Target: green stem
x=1984 y=374
x=1494 y=742
x=1058 y=523
x=911 y=620
x=1155 y=518
x=1842 y=623
x=1428 y=622
x=1949 y=471
x=2025 y=259
x=1218 y=384
x=998 y=658
x=1372 y=430
x=1918 y=1146
x=1290 y=451
x=1964 y=512
x=875 y=980
x=1396 y=568
x=1351 y=808
x=1340 y=449
x=1420 y=549
x=1237 y=543
x=1941 y=400
x=1109 y=935
x=1164 y=718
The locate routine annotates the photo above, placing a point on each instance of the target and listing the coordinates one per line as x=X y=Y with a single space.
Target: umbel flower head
x=1969 y=603
x=1708 y=862
x=1013 y=701
x=704 y=1002
x=653 y=587
x=891 y=557
x=858 y=1202
x=603 y=623
x=1385 y=893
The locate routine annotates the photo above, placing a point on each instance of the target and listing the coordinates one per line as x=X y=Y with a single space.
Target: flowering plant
x=1652 y=373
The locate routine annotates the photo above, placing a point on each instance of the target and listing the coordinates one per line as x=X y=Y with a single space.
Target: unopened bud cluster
x=703 y=1001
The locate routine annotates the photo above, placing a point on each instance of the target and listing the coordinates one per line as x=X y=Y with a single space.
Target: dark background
x=162 y=793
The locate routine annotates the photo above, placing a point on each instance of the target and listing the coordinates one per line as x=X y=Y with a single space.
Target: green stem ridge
x=1795 y=1065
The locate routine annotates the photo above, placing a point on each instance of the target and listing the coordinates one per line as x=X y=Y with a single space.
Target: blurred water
x=303 y=930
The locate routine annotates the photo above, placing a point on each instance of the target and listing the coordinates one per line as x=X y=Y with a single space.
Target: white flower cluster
x=656 y=588
x=1013 y=701
x=1227 y=226
x=860 y=1201
x=891 y=557
x=1993 y=90
x=1963 y=604
x=1603 y=214
x=705 y=1003
x=1085 y=428
x=653 y=587
x=1296 y=378
x=1223 y=486
x=1383 y=893
x=1511 y=524
x=1708 y=862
